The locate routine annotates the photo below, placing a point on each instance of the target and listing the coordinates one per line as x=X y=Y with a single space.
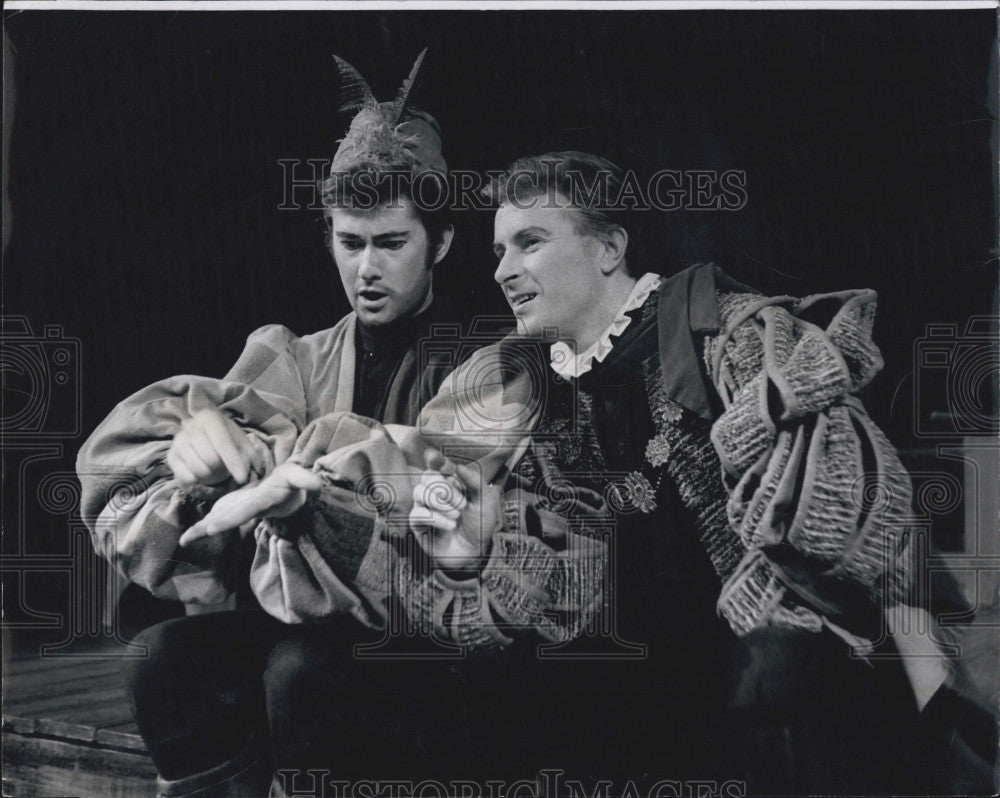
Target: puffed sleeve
x=134 y=507
x=817 y=493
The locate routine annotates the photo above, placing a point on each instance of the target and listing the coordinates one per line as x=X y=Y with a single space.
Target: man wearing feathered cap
x=164 y=456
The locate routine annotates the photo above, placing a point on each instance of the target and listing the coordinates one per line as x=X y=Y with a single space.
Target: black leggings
x=209 y=683
x=803 y=717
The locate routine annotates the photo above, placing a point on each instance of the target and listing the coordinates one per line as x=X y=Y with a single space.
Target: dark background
x=145 y=183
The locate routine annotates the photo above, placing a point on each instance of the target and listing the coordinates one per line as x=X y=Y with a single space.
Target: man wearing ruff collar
x=761 y=547
x=718 y=435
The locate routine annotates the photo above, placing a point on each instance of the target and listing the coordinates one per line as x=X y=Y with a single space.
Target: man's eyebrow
x=520 y=234
x=379 y=237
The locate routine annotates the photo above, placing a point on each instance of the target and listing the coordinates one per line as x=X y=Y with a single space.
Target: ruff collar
x=566 y=364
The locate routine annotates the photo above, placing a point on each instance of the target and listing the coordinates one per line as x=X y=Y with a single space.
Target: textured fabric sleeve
x=327 y=556
x=292 y=576
x=543 y=573
x=134 y=507
x=541 y=576
x=774 y=365
x=817 y=493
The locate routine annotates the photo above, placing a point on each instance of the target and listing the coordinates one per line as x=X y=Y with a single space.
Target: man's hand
x=280 y=494
x=454 y=514
x=210 y=448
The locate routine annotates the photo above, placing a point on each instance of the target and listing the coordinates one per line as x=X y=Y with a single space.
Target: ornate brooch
x=635 y=492
x=658 y=450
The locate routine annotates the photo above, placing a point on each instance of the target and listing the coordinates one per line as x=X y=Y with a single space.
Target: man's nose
x=509 y=267
x=370 y=266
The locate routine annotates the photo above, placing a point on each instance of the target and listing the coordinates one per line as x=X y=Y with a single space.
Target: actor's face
x=384 y=257
x=548 y=271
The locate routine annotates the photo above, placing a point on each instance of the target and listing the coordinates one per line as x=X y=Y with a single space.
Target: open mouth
x=516 y=300
x=372 y=295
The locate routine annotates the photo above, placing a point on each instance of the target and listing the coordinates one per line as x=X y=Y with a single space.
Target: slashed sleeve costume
x=745 y=405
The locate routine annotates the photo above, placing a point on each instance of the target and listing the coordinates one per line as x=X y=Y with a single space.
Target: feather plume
x=355 y=92
x=403 y=96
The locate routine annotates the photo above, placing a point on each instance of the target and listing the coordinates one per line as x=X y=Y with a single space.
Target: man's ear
x=447 y=234
x=614 y=244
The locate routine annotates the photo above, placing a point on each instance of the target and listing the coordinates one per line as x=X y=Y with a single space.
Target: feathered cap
x=386 y=135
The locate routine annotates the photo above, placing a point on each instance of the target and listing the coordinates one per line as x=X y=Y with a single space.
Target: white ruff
x=566 y=364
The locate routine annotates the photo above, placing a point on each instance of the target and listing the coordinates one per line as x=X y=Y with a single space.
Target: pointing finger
x=198 y=456
x=296 y=476
x=225 y=436
x=196 y=532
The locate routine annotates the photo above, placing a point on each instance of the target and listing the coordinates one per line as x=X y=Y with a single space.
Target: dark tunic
x=394 y=376
x=379 y=359
x=781 y=711
x=646 y=703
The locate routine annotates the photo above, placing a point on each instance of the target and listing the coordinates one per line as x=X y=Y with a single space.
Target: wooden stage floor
x=68 y=730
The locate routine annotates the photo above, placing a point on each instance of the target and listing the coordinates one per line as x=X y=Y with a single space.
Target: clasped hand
x=455 y=512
